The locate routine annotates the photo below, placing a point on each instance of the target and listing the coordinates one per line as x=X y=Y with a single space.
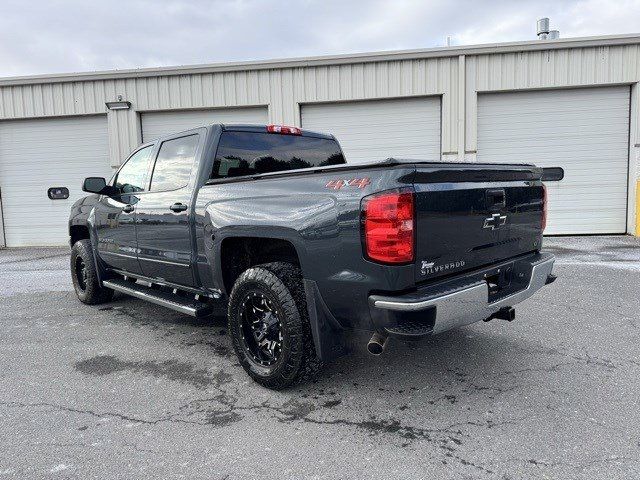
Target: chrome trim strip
x=151 y=298
x=117 y=254
x=138 y=257
x=166 y=262
x=424 y=304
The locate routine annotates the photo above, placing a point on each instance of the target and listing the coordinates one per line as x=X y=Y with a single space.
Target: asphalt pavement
x=130 y=390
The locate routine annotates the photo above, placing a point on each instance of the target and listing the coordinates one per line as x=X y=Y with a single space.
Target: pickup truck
x=300 y=247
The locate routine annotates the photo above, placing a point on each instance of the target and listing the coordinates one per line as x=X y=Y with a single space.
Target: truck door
x=115 y=214
x=163 y=215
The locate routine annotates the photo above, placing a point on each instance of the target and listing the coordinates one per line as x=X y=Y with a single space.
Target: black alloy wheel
x=261 y=329
x=81 y=273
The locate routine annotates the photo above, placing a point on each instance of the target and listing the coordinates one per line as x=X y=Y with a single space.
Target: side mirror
x=94 y=185
x=552 y=174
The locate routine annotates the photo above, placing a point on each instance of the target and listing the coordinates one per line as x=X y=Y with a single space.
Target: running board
x=187 y=306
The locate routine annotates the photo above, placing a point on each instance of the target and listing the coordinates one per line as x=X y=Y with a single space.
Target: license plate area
x=499 y=279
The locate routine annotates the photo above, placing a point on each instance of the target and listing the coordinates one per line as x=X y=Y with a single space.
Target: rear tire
x=85 y=276
x=271 y=296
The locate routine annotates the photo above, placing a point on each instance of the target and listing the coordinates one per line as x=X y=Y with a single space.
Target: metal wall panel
x=377 y=129
x=547 y=69
x=157 y=124
x=38 y=154
x=283 y=89
x=585 y=131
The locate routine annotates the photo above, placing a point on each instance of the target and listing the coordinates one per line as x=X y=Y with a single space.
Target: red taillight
x=284 y=130
x=388 y=227
x=545 y=203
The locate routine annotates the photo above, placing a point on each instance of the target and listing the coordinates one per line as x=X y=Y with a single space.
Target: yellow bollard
x=638 y=208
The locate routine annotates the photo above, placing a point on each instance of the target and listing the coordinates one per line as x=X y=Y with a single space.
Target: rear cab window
x=174 y=162
x=252 y=153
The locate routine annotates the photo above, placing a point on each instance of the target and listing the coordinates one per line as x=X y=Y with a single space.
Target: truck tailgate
x=471 y=216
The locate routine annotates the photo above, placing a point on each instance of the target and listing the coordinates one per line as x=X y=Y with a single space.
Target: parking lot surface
x=129 y=390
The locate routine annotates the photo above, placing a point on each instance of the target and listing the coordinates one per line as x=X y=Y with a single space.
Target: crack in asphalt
x=80 y=411
x=446 y=438
x=593 y=360
x=549 y=369
x=295 y=411
x=573 y=465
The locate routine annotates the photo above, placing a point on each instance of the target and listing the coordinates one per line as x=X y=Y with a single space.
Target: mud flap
x=93 y=239
x=328 y=335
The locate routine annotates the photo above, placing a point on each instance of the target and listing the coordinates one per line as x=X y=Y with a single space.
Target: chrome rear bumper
x=464 y=304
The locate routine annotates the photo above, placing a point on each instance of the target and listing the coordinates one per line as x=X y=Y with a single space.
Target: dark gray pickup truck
x=302 y=247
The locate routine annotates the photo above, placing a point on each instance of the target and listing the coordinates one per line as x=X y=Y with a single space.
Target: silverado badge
x=429 y=268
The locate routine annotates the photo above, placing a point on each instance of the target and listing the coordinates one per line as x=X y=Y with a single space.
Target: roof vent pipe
x=543 y=28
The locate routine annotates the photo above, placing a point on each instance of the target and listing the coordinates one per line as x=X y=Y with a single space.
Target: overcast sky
x=49 y=36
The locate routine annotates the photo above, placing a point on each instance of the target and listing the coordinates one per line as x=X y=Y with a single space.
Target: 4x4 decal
x=353 y=182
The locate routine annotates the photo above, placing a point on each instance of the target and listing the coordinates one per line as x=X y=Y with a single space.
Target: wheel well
x=238 y=254
x=78 y=232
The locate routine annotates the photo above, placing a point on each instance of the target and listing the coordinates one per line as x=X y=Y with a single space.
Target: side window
x=173 y=164
x=132 y=176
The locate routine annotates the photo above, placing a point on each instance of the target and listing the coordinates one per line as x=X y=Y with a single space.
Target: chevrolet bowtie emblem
x=495 y=221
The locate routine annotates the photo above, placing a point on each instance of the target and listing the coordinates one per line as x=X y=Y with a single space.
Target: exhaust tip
x=376 y=344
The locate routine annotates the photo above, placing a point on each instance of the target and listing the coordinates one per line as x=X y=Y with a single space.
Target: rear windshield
x=252 y=153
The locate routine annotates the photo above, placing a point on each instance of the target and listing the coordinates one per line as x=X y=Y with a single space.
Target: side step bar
x=174 y=302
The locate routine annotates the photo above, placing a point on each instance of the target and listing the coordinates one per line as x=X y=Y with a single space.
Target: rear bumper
x=460 y=301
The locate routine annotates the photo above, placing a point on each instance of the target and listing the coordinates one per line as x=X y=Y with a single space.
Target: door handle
x=178 y=207
x=128 y=208
x=496 y=198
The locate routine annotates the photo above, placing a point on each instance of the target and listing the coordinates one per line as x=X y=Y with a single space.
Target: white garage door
x=379 y=129
x=585 y=131
x=157 y=124
x=38 y=154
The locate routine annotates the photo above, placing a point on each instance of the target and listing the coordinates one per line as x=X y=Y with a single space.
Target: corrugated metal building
x=570 y=103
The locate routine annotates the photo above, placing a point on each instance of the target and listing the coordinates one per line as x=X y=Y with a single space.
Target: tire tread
x=284 y=280
x=94 y=294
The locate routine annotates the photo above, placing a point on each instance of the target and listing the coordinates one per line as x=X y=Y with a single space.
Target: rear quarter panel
x=321 y=222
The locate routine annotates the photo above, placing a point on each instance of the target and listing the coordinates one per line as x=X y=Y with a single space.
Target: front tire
x=269 y=326
x=85 y=276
